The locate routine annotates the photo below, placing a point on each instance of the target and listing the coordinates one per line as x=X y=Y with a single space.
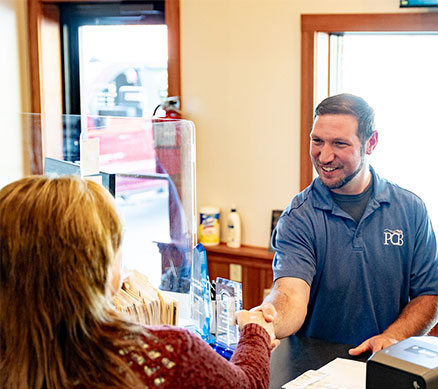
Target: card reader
x=409 y=364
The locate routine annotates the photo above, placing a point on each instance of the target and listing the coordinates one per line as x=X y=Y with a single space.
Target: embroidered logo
x=395 y=237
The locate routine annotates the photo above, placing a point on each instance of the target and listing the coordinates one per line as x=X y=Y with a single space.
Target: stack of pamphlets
x=144 y=303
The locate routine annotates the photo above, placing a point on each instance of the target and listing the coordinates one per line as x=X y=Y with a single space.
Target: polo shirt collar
x=322 y=198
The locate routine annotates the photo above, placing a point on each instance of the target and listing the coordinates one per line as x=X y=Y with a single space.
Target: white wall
x=14 y=88
x=240 y=62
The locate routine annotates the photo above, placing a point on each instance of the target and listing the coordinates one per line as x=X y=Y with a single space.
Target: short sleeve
x=293 y=242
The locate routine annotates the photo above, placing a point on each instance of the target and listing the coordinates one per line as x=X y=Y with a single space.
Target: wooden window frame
x=46 y=70
x=311 y=27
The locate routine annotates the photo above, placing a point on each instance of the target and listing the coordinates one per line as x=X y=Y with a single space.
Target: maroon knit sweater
x=175 y=358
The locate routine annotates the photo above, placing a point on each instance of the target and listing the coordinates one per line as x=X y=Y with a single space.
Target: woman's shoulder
x=156 y=354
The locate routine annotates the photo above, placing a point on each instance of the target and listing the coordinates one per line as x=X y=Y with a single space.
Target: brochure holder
x=200 y=293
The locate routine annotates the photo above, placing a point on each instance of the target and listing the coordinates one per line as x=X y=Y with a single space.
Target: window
x=396 y=74
x=114 y=62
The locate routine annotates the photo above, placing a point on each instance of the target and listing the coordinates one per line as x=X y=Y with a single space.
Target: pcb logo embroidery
x=394 y=237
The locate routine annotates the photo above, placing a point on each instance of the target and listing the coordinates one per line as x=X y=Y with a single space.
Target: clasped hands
x=245 y=317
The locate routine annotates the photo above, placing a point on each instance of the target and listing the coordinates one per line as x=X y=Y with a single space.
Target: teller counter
x=296 y=355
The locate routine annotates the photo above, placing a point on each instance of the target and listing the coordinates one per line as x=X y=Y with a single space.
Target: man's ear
x=372 y=142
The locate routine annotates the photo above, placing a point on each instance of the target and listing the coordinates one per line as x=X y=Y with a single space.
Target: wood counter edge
x=242 y=251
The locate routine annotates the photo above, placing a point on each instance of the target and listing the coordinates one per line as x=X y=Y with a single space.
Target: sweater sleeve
x=253 y=353
x=201 y=367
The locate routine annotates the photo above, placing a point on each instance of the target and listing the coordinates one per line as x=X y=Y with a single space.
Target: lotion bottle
x=233 y=228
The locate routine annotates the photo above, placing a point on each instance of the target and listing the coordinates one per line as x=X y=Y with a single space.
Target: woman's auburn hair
x=58 y=241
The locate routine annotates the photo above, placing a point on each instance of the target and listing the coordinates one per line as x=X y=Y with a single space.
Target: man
x=356 y=258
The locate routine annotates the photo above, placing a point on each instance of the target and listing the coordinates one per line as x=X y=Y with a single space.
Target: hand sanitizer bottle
x=233 y=228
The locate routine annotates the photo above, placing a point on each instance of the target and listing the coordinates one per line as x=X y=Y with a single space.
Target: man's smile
x=328 y=168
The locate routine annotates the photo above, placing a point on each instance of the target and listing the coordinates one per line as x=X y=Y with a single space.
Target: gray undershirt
x=354 y=205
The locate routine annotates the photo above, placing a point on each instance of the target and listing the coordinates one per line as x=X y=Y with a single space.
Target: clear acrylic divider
x=149 y=167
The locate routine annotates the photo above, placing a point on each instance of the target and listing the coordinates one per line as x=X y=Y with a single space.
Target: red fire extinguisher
x=171 y=108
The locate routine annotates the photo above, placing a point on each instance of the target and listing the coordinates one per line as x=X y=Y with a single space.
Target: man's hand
x=244 y=317
x=417 y=318
x=373 y=344
x=268 y=310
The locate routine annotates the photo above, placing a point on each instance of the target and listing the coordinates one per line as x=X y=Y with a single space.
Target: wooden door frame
x=46 y=69
x=311 y=26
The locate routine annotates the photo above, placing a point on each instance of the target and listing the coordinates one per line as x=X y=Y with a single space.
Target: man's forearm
x=290 y=313
x=417 y=318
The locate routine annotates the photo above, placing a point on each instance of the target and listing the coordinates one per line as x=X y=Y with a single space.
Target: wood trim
x=370 y=22
x=243 y=251
x=173 y=29
x=34 y=17
x=51 y=79
x=307 y=97
x=310 y=26
x=46 y=82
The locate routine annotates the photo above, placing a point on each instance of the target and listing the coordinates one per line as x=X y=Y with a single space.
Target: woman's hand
x=245 y=317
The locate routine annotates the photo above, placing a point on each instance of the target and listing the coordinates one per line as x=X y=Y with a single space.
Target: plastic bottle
x=233 y=228
x=209 y=228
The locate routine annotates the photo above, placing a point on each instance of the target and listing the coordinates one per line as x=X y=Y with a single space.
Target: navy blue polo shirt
x=362 y=274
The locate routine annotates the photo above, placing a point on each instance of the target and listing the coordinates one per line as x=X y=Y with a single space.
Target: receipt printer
x=409 y=364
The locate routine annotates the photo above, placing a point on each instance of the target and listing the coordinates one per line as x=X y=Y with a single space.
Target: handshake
x=257 y=316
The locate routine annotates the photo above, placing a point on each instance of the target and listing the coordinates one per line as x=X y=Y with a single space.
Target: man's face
x=338 y=154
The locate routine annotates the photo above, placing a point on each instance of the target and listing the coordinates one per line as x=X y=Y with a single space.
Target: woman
x=60 y=263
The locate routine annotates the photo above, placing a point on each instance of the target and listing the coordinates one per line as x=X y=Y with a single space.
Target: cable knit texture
x=175 y=358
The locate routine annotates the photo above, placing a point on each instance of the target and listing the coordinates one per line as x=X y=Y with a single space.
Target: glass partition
x=149 y=167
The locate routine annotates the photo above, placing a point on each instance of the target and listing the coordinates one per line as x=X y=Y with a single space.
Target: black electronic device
x=409 y=364
x=418 y=3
